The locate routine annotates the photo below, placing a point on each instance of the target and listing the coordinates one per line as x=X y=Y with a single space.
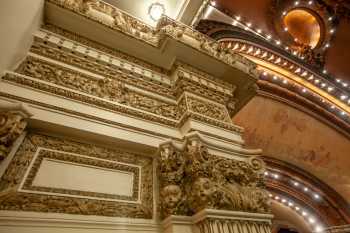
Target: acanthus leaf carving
x=192 y=180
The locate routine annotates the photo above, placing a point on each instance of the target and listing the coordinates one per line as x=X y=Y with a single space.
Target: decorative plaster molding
x=191 y=179
x=115 y=19
x=11 y=199
x=12 y=124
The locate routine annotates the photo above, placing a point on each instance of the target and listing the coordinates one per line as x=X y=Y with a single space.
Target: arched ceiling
x=286 y=218
x=336 y=56
x=289 y=134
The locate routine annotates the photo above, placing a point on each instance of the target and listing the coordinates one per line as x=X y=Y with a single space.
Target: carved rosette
x=12 y=124
x=192 y=180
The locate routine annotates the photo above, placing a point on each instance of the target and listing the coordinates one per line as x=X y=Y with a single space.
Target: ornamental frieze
x=113 y=18
x=109 y=89
x=13 y=120
x=115 y=95
x=98 y=156
x=192 y=180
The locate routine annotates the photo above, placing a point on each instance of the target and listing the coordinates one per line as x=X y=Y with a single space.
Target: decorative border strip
x=43 y=153
x=11 y=199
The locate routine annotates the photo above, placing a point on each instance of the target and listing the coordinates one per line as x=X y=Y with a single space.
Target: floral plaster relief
x=288 y=134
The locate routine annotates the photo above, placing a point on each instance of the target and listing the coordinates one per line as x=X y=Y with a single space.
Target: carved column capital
x=192 y=179
x=12 y=123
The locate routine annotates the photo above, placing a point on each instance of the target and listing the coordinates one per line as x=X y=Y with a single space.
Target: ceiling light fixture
x=156 y=10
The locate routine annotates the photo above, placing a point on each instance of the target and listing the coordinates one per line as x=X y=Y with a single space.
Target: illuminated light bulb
x=343 y=97
x=297 y=208
x=278 y=42
x=259 y=31
x=277 y=197
x=266 y=173
x=285 y=81
x=246 y=28
x=311 y=220
x=296 y=3
x=249 y=24
x=213 y=3
x=276 y=176
x=332 y=107
x=265 y=73
x=278 y=60
x=284 y=200
x=304 y=213
x=345 y=84
x=324 y=71
x=310 y=2
x=330 y=18
x=297 y=70
x=304 y=90
x=275 y=77
x=323 y=85
x=286 y=48
x=316 y=196
x=327 y=45
x=268 y=37
x=291 y=67
x=323 y=101
x=343 y=113
x=234 y=23
x=311 y=77
x=306 y=189
x=156 y=10
x=285 y=29
x=332 y=31
x=294 y=52
x=304 y=73
x=284 y=63
x=296 y=39
x=296 y=183
x=284 y=13
x=330 y=89
x=318 y=228
x=290 y=204
x=338 y=80
x=270 y=195
x=238 y=17
x=317 y=81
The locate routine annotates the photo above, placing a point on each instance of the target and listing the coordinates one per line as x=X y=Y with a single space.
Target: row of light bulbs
x=344 y=98
x=248 y=27
x=295 y=184
x=299 y=210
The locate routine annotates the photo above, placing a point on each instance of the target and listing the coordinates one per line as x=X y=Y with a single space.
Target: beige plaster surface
x=18 y=20
x=288 y=134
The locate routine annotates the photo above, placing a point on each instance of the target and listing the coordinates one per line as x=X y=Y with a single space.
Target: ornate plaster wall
x=288 y=134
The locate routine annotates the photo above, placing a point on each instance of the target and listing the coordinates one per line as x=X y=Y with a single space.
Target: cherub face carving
x=203 y=190
x=172 y=195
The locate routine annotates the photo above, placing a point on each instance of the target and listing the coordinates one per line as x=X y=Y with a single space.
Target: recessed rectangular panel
x=69 y=176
